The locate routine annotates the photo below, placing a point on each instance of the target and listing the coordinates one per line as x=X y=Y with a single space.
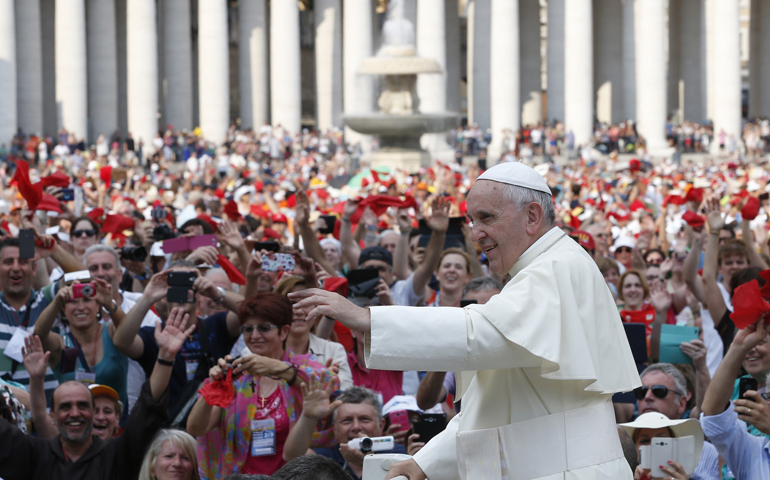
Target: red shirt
x=386 y=382
x=646 y=316
x=268 y=464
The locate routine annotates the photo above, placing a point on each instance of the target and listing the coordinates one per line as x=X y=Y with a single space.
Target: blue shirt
x=747 y=456
x=334 y=454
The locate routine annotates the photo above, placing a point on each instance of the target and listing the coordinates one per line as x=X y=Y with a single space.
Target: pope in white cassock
x=537 y=365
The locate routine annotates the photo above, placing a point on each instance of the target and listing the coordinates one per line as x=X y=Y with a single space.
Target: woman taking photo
x=266 y=382
x=302 y=342
x=85 y=352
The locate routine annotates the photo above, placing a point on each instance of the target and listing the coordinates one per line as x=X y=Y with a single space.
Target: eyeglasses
x=80 y=233
x=660 y=391
x=652 y=278
x=623 y=250
x=262 y=328
x=654 y=261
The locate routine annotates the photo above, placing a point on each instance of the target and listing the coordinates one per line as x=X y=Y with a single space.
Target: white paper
x=15 y=344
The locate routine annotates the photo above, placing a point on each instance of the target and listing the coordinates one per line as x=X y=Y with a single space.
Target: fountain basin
x=402 y=125
x=398 y=66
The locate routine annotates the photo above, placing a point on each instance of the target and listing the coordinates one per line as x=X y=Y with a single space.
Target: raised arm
x=431 y=390
x=715 y=302
x=691 y=277
x=126 y=338
x=230 y=300
x=470 y=248
x=697 y=350
x=350 y=250
x=49 y=248
x=315 y=406
x=755 y=260
x=35 y=362
x=717 y=398
x=401 y=258
x=312 y=245
x=52 y=342
x=230 y=236
x=661 y=300
x=170 y=340
x=438 y=222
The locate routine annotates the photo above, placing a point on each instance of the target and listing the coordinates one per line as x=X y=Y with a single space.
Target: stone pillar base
x=408 y=160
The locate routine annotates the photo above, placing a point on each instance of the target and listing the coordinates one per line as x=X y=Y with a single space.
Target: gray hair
x=182 y=264
x=357 y=395
x=521 y=197
x=482 y=283
x=671 y=371
x=100 y=247
x=181 y=439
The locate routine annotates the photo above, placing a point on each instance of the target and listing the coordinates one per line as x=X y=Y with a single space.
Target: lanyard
x=81 y=354
x=26 y=314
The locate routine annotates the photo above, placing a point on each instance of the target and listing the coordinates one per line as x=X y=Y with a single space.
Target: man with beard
x=77 y=453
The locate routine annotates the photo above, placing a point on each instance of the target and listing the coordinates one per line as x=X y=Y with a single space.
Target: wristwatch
x=222 y=298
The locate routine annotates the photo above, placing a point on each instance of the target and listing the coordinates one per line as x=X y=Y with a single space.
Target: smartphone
x=361 y=275
x=180 y=295
x=159 y=213
x=277 y=262
x=27 y=243
x=202 y=241
x=267 y=246
x=400 y=417
x=67 y=194
x=330 y=221
x=744 y=385
x=467 y=301
x=181 y=279
x=179 y=244
x=429 y=425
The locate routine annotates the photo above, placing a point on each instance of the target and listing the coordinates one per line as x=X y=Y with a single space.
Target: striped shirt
x=11 y=319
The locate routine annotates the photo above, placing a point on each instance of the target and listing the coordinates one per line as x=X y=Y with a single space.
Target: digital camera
x=372 y=444
x=80 y=290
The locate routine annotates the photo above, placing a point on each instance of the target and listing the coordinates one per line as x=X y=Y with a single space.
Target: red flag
x=56 y=179
x=97 y=215
x=232 y=273
x=765 y=290
x=693 y=219
x=380 y=203
x=33 y=194
x=673 y=200
x=231 y=210
x=748 y=305
x=117 y=223
x=105 y=173
x=751 y=209
x=694 y=195
x=49 y=203
x=376 y=176
x=210 y=221
x=219 y=393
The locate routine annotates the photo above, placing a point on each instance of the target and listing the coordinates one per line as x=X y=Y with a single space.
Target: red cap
x=584 y=239
x=279 y=218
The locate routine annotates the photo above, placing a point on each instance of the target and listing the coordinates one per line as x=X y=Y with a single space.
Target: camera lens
x=366 y=445
x=88 y=291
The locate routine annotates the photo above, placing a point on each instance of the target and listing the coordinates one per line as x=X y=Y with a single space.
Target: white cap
x=401 y=402
x=515 y=173
x=623 y=242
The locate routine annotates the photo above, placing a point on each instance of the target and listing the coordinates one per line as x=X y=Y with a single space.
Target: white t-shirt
x=403 y=293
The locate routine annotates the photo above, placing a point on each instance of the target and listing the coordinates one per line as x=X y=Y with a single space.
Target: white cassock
x=539 y=364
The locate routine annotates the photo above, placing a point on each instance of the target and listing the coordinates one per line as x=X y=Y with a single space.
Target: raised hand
x=369 y=217
x=660 y=298
x=714 y=215
x=316 y=395
x=35 y=358
x=207 y=288
x=254 y=268
x=403 y=220
x=754 y=410
x=103 y=293
x=383 y=292
x=305 y=268
x=350 y=207
x=171 y=338
x=302 y=208
x=752 y=335
x=315 y=303
x=438 y=221
x=207 y=255
x=45 y=245
x=230 y=235
x=696 y=350
x=157 y=287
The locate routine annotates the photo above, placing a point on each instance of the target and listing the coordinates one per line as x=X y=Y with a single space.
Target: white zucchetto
x=515 y=173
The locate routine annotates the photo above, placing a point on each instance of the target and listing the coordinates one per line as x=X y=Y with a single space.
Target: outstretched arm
x=170 y=340
x=315 y=406
x=350 y=250
x=35 y=362
x=438 y=223
x=691 y=277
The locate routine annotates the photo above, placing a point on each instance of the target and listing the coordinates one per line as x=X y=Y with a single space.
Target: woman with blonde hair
x=171 y=456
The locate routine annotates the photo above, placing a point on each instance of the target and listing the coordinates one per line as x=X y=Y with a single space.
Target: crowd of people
x=148 y=331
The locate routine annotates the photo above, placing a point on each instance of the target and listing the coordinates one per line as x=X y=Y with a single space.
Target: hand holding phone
x=278 y=262
x=744 y=385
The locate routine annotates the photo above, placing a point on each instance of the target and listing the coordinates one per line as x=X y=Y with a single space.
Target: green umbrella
x=355 y=182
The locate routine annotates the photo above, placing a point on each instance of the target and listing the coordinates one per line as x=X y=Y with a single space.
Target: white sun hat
x=680 y=428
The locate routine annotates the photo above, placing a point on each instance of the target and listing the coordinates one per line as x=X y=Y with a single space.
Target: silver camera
x=372 y=444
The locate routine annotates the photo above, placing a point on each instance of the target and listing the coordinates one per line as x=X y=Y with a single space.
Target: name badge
x=88 y=378
x=192 y=367
x=262 y=437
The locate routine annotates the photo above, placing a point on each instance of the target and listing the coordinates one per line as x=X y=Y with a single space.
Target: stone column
x=555 y=61
x=213 y=70
x=453 y=80
x=675 y=101
x=142 y=69
x=7 y=73
x=759 y=60
x=285 y=95
x=71 y=70
x=479 y=102
x=727 y=68
x=29 y=66
x=764 y=59
x=328 y=63
x=48 y=44
x=253 y=67
x=121 y=32
x=177 y=64
x=357 y=90
x=505 y=74
x=693 y=108
x=651 y=71
x=629 y=61
x=608 y=53
x=102 y=69
x=578 y=69
x=531 y=83
x=707 y=56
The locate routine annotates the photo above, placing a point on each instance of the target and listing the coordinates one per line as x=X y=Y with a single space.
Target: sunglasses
x=262 y=328
x=660 y=391
x=623 y=250
x=80 y=233
x=654 y=261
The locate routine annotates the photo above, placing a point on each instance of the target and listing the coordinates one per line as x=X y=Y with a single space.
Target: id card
x=88 y=378
x=262 y=437
x=192 y=367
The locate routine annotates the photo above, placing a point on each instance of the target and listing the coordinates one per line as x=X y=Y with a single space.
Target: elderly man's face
x=389 y=242
x=498 y=227
x=672 y=405
x=355 y=420
x=102 y=265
